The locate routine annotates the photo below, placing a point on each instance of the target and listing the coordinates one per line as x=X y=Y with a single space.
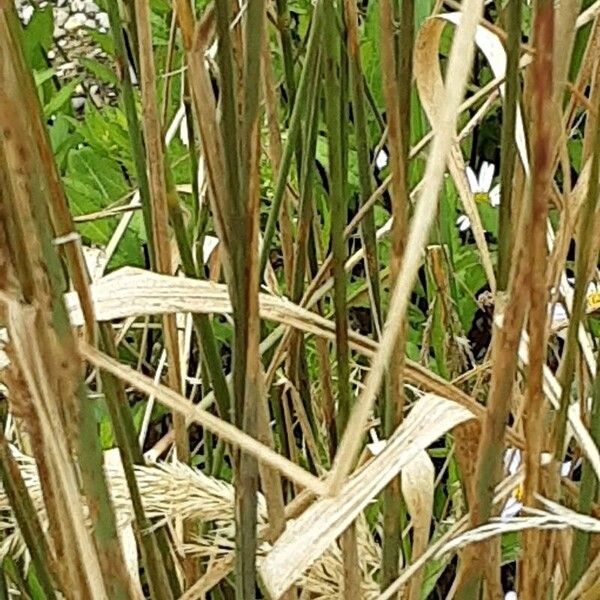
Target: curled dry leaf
x=429 y=82
x=306 y=539
x=131 y=292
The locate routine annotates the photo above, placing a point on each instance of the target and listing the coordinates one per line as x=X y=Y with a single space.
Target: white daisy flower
x=512 y=462
x=560 y=316
x=592 y=301
x=482 y=190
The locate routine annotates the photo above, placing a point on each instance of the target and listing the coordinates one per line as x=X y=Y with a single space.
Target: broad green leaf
x=38 y=37
x=61 y=98
x=102 y=174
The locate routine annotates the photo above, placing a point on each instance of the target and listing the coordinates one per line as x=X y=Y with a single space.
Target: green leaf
x=38 y=37
x=106 y=132
x=99 y=71
x=102 y=174
x=62 y=138
x=61 y=98
x=103 y=40
x=41 y=76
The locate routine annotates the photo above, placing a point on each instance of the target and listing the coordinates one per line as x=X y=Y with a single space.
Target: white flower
x=592 y=301
x=512 y=462
x=482 y=190
x=560 y=315
x=463 y=222
x=511 y=596
x=481 y=187
x=381 y=160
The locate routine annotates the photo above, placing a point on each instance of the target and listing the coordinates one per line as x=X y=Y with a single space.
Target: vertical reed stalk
x=133 y=125
x=508 y=150
x=397 y=79
x=336 y=152
x=531 y=582
x=294 y=129
x=152 y=129
x=27 y=172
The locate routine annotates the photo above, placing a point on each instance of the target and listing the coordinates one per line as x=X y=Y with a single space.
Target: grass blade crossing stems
x=202 y=324
x=589 y=485
x=301 y=246
x=296 y=119
x=133 y=125
x=236 y=210
x=208 y=343
x=508 y=150
x=256 y=48
x=532 y=576
x=461 y=56
x=193 y=413
x=397 y=76
x=339 y=191
x=206 y=112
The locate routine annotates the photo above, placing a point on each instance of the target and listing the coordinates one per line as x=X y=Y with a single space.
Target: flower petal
x=381 y=160
x=463 y=222
x=473 y=183
x=495 y=196
x=512 y=460
x=511 y=509
x=486 y=175
x=559 y=314
x=565 y=468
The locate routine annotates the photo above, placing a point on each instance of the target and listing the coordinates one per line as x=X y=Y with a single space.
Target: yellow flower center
x=519 y=492
x=593 y=301
x=482 y=197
